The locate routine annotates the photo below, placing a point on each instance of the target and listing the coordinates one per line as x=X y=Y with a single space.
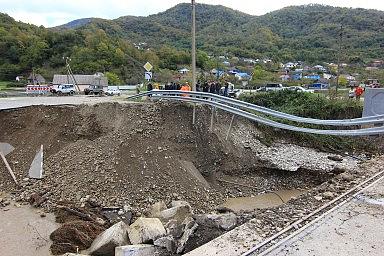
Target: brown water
x=24 y=232
x=263 y=201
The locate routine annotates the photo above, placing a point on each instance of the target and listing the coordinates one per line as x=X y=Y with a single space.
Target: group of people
x=209 y=86
x=170 y=87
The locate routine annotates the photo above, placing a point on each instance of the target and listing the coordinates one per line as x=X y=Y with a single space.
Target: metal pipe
x=212 y=116
x=194 y=56
x=230 y=127
x=193 y=45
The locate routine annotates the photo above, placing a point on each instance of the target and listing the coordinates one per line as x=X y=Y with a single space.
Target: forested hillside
x=308 y=33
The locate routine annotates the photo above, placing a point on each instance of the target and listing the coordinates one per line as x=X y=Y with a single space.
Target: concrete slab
x=355 y=229
x=235 y=242
x=194 y=172
x=36 y=169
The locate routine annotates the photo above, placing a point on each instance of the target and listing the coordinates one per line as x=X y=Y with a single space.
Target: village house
x=36 y=79
x=183 y=71
x=83 y=81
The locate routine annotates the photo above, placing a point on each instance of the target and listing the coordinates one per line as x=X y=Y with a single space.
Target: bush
x=312 y=106
x=306 y=104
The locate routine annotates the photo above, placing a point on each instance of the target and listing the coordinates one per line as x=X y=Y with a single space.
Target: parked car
x=271 y=87
x=61 y=89
x=112 y=92
x=299 y=89
x=94 y=89
x=274 y=87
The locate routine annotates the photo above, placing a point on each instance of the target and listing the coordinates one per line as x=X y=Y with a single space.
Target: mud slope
x=130 y=155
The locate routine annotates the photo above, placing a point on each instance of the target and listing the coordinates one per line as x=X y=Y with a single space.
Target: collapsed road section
x=111 y=166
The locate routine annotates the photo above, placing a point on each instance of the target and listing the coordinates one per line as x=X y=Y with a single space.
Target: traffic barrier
x=38 y=89
x=240 y=108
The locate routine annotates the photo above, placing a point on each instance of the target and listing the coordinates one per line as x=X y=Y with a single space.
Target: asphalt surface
x=355 y=229
x=18 y=102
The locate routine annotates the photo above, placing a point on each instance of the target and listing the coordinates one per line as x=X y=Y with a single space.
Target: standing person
x=149 y=88
x=206 y=87
x=212 y=87
x=185 y=87
x=358 y=92
x=226 y=89
x=218 y=88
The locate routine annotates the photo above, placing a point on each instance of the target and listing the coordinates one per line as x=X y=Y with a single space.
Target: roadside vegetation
x=313 y=106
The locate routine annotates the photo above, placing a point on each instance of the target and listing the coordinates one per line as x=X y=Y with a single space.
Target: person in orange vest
x=358 y=92
x=185 y=87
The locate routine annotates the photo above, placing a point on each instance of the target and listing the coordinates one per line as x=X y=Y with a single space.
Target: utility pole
x=194 y=56
x=193 y=45
x=70 y=73
x=339 y=58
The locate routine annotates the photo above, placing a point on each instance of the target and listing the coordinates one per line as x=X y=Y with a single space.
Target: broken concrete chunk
x=178 y=213
x=157 y=208
x=167 y=242
x=194 y=173
x=188 y=232
x=106 y=242
x=145 y=230
x=225 y=221
x=136 y=250
x=73 y=254
x=174 y=229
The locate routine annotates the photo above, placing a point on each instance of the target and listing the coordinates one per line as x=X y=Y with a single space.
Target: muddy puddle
x=24 y=232
x=262 y=201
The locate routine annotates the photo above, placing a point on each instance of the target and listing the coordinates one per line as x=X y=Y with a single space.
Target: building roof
x=37 y=77
x=80 y=80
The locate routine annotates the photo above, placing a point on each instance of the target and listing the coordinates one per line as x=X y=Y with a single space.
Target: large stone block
x=225 y=221
x=136 y=250
x=111 y=238
x=178 y=213
x=145 y=230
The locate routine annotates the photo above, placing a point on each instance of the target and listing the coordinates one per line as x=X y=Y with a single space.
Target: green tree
x=343 y=81
x=113 y=79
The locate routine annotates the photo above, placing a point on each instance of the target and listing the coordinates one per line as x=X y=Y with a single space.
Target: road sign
x=148 y=66
x=148 y=76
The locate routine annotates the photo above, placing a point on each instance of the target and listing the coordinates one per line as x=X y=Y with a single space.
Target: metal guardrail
x=237 y=107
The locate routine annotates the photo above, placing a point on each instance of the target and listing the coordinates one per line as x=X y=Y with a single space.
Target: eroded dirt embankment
x=129 y=155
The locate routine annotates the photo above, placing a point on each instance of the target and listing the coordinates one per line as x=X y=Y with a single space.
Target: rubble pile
x=141 y=177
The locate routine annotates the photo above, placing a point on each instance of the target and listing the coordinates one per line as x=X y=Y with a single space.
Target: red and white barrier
x=38 y=89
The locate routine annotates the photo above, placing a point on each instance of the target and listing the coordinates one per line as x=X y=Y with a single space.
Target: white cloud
x=52 y=13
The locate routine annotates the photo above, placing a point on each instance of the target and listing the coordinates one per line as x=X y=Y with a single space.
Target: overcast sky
x=56 y=12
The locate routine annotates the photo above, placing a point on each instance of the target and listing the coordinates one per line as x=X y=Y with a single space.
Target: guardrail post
x=194 y=114
x=212 y=117
x=230 y=127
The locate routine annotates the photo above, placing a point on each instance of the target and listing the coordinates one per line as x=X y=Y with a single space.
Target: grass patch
x=3 y=85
